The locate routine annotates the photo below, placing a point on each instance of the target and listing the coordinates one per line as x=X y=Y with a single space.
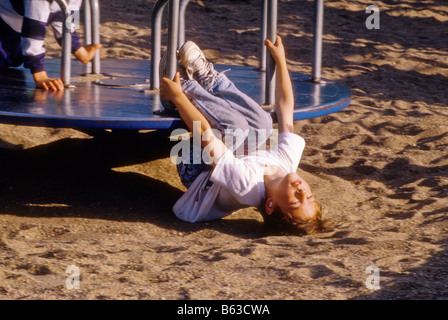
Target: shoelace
x=209 y=76
x=206 y=72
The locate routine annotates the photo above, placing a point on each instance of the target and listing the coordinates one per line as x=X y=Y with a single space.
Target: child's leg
x=256 y=117
x=231 y=112
x=240 y=120
x=226 y=107
x=259 y=121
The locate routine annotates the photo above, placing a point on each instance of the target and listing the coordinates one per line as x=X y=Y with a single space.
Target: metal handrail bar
x=318 y=30
x=182 y=10
x=156 y=27
x=66 y=42
x=271 y=30
x=176 y=36
x=264 y=23
x=87 y=18
x=175 y=40
x=92 y=33
x=95 y=8
x=173 y=36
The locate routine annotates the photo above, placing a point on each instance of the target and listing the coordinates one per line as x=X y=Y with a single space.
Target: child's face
x=293 y=196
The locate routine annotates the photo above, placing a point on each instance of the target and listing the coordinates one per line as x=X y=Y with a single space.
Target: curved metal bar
x=95 y=7
x=264 y=22
x=173 y=36
x=87 y=18
x=270 y=63
x=66 y=42
x=156 y=27
x=318 y=30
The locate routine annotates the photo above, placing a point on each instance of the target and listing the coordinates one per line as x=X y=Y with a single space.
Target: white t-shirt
x=237 y=182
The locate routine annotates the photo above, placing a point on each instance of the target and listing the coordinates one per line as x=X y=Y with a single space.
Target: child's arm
x=172 y=91
x=35 y=18
x=83 y=54
x=284 y=96
x=86 y=53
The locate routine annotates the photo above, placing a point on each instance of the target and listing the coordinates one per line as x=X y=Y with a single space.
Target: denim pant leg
x=237 y=116
x=232 y=113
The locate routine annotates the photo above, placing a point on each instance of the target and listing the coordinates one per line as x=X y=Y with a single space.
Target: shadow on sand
x=75 y=178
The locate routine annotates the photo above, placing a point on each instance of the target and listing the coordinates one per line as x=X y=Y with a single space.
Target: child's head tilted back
x=291 y=206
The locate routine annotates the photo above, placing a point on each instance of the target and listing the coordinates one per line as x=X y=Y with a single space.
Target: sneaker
x=197 y=66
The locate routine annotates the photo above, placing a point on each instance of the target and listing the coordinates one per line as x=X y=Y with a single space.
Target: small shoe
x=197 y=66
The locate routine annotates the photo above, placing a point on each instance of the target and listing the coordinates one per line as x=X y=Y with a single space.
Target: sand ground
x=379 y=167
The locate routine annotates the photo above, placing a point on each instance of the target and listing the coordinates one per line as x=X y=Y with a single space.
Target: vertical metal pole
x=318 y=30
x=66 y=42
x=183 y=9
x=270 y=63
x=173 y=36
x=87 y=30
x=264 y=21
x=66 y=103
x=316 y=96
x=95 y=7
x=156 y=27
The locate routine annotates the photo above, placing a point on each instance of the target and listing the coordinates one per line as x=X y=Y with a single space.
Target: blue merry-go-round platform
x=121 y=97
x=122 y=94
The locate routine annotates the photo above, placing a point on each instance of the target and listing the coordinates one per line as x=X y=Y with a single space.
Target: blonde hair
x=279 y=222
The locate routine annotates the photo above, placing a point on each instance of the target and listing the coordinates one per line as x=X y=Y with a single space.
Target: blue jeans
x=243 y=124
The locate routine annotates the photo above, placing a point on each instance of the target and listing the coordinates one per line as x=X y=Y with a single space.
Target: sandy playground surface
x=379 y=167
